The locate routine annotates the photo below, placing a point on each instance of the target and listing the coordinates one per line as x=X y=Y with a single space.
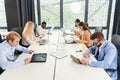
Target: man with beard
x=104 y=52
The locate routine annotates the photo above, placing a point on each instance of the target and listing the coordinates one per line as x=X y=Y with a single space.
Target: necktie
x=96 y=56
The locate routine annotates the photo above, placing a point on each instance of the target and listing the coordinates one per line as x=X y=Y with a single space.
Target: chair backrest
x=0 y=38
x=116 y=41
x=18 y=30
x=98 y=29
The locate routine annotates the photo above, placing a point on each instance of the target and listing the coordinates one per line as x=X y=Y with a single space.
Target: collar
x=8 y=45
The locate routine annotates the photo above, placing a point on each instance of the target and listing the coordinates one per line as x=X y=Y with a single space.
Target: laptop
x=67 y=32
x=43 y=42
x=39 y=57
x=69 y=39
x=51 y=29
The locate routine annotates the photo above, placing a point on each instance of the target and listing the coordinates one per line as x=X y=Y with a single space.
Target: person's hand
x=27 y=60
x=78 y=41
x=41 y=36
x=84 y=62
x=49 y=33
x=31 y=51
x=64 y=34
x=86 y=54
x=38 y=41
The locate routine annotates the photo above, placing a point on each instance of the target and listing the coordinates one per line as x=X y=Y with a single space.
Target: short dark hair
x=97 y=35
x=44 y=23
x=77 y=20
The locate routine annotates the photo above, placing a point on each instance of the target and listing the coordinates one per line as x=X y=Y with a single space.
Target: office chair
x=98 y=29
x=18 y=30
x=116 y=41
x=0 y=38
x=1 y=70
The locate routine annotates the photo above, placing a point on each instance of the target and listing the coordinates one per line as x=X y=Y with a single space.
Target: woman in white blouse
x=28 y=35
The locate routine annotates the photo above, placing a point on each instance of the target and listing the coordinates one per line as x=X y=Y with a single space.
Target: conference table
x=55 y=68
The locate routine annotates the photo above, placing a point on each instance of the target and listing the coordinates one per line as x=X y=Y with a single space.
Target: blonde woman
x=84 y=35
x=28 y=35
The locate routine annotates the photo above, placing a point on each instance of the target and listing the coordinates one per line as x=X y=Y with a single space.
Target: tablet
x=39 y=57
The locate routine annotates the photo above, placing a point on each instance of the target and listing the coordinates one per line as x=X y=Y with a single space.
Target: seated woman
x=28 y=35
x=84 y=35
x=76 y=29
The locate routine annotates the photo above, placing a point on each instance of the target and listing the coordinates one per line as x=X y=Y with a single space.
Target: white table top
x=66 y=69
x=53 y=68
x=32 y=71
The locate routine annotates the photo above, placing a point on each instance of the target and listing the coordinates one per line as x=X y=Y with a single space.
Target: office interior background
x=62 y=13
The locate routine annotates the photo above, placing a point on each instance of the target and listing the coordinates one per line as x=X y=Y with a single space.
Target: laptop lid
x=39 y=57
x=69 y=39
x=43 y=42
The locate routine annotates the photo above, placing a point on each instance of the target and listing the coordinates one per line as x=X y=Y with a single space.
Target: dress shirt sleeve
x=92 y=50
x=23 y=49
x=5 y=63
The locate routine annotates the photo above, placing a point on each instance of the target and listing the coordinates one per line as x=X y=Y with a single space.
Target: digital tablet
x=39 y=57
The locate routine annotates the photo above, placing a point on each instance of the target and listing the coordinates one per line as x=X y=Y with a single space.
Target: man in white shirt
x=40 y=30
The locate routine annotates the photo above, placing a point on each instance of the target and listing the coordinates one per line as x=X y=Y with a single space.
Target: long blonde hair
x=29 y=30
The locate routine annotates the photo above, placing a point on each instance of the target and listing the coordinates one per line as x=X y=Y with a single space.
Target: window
x=50 y=12
x=3 y=22
x=98 y=12
x=73 y=9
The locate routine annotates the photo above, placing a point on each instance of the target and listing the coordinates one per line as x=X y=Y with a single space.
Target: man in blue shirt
x=105 y=53
x=7 y=49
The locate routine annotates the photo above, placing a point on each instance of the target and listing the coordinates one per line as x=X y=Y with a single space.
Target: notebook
x=39 y=57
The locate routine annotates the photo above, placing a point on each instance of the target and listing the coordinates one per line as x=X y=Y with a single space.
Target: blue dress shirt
x=107 y=58
x=7 y=55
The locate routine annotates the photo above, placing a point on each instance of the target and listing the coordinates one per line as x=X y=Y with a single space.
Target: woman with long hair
x=84 y=35
x=28 y=35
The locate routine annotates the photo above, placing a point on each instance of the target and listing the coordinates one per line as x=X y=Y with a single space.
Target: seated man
x=104 y=52
x=7 y=49
x=40 y=30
